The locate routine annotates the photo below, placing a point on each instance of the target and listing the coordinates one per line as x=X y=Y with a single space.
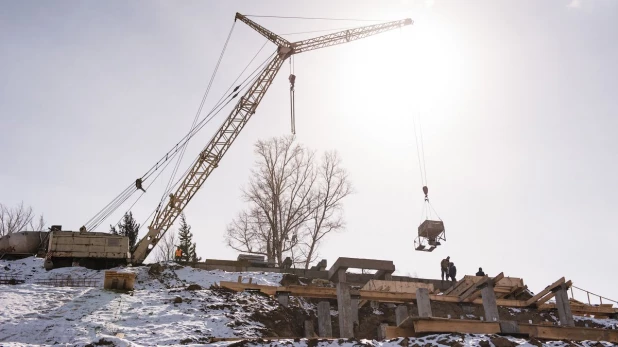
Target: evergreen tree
x=185 y=237
x=194 y=257
x=127 y=227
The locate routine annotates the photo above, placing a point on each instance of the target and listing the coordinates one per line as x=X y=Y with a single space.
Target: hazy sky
x=517 y=100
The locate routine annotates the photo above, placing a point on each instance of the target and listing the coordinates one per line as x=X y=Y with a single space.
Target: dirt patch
x=177 y=300
x=194 y=287
x=500 y=341
x=155 y=269
x=291 y=279
x=101 y=342
x=283 y=321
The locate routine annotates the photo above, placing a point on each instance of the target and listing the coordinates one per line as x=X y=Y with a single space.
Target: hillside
x=172 y=305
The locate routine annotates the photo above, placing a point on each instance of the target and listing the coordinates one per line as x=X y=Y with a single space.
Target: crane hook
x=426 y=191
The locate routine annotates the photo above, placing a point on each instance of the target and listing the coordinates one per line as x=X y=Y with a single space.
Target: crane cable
x=199 y=110
x=218 y=108
x=245 y=85
x=95 y=221
x=319 y=18
x=420 y=153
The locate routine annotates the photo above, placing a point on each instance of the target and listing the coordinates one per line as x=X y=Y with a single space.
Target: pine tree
x=185 y=237
x=127 y=227
x=193 y=253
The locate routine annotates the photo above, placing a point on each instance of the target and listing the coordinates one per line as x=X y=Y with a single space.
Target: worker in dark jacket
x=480 y=273
x=444 y=267
x=452 y=271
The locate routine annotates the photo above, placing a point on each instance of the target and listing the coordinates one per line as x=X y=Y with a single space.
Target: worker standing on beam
x=444 y=267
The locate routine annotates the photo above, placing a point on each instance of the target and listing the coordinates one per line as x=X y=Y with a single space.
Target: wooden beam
x=549 y=295
x=547 y=332
x=368 y=295
x=474 y=291
x=544 y=291
x=441 y=325
x=394 y=332
x=585 y=309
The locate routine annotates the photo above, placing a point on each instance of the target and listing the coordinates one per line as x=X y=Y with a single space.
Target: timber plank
x=545 y=291
x=569 y=333
x=437 y=325
x=394 y=332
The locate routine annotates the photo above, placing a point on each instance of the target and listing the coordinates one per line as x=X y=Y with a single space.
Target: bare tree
x=293 y=203
x=166 y=247
x=19 y=218
x=326 y=215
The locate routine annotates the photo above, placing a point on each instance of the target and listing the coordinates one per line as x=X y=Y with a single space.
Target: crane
x=246 y=106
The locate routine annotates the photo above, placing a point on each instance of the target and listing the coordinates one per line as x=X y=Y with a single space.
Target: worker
x=178 y=253
x=444 y=267
x=452 y=271
x=138 y=184
x=480 y=273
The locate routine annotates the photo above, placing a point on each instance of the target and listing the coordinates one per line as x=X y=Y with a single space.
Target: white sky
x=517 y=101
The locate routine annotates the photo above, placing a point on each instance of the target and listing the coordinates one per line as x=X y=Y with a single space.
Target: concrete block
x=382 y=331
x=564 y=307
x=489 y=304
x=325 y=328
x=359 y=263
x=354 y=301
x=283 y=298
x=423 y=302
x=346 y=325
x=309 y=332
x=401 y=313
x=509 y=327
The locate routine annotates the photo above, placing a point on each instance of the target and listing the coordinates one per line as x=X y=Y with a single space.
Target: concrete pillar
x=382 y=331
x=325 y=329
x=564 y=306
x=346 y=325
x=423 y=302
x=374 y=304
x=283 y=298
x=489 y=303
x=401 y=313
x=309 y=332
x=354 y=301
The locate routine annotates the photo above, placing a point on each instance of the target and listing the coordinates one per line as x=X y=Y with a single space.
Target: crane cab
x=430 y=233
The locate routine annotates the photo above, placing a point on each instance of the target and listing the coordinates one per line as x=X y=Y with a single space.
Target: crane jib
x=214 y=151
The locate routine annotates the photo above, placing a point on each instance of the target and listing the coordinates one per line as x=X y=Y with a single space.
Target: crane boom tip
x=408 y=21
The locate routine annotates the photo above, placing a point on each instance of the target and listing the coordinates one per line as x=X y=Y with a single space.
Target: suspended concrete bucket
x=431 y=231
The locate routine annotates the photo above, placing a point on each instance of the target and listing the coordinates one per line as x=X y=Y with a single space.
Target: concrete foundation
x=401 y=313
x=423 y=302
x=382 y=331
x=354 y=301
x=309 y=332
x=283 y=298
x=489 y=303
x=564 y=307
x=344 y=305
x=325 y=328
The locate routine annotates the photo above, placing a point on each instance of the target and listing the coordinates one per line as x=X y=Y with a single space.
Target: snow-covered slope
x=36 y=314
x=165 y=310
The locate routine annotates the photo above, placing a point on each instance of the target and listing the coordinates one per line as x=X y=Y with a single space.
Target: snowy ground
x=38 y=315
x=33 y=314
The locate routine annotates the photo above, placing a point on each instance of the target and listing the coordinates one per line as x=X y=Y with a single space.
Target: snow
x=34 y=314
x=38 y=315
x=606 y=322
